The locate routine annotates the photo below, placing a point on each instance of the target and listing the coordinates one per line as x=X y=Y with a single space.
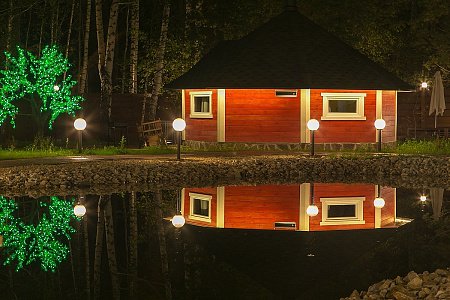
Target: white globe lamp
x=312 y=210
x=378 y=202
x=79 y=210
x=178 y=221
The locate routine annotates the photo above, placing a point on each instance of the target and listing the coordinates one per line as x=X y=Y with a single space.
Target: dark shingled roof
x=289 y=51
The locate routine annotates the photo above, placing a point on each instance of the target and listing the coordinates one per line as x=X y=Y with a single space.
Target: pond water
x=239 y=242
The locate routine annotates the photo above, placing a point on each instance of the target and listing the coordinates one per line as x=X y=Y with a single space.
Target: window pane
x=201 y=207
x=341 y=211
x=201 y=104
x=342 y=106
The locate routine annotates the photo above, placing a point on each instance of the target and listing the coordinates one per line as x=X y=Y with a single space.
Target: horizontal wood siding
x=325 y=190
x=388 y=211
x=206 y=191
x=389 y=112
x=201 y=129
x=260 y=116
x=351 y=131
x=259 y=207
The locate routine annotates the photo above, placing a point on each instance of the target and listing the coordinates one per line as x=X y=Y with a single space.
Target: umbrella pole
x=435 y=120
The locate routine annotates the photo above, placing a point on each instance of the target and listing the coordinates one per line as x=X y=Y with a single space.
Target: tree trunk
x=87 y=28
x=10 y=25
x=101 y=51
x=133 y=251
x=134 y=46
x=157 y=81
x=109 y=54
x=111 y=249
x=162 y=245
x=69 y=33
x=87 y=270
x=125 y=52
x=98 y=248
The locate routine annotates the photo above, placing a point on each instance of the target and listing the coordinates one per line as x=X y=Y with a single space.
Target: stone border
x=120 y=175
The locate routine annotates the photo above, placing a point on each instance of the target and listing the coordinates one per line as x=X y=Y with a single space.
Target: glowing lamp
x=179 y=124
x=56 y=87
x=79 y=124
x=379 y=202
x=79 y=210
x=424 y=85
x=313 y=124
x=423 y=198
x=178 y=221
x=312 y=210
x=380 y=124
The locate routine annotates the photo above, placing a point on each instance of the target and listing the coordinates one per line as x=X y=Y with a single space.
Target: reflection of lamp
x=379 y=202
x=80 y=125
x=56 y=87
x=178 y=220
x=380 y=124
x=179 y=125
x=424 y=85
x=423 y=198
x=312 y=125
x=312 y=209
x=79 y=210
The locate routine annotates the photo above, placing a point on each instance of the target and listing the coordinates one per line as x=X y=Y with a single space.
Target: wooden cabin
x=283 y=207
x=265 y=87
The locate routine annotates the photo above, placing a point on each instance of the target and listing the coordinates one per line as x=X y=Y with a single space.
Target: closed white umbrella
x=436 y=197
x=437 y=104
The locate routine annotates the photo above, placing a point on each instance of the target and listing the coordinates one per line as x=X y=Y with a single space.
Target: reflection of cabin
x=341 y=206
x=265 y=87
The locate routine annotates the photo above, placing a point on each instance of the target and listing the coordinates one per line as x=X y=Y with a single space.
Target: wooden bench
x=151 y=133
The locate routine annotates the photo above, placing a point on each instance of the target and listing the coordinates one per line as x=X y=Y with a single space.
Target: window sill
x=343 y=118
x=201 y=116
x=200 y=218
x=343 y=222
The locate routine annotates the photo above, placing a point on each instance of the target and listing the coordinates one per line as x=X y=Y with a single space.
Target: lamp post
x=312 y=209
x=312 y=125
x=80 y=125
x=379 y=125
x=178 y=220
x=179 y=125
x=379 y=202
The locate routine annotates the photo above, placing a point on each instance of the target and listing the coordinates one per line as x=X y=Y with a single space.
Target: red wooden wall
x=201 y=129
x=337 y=131
x=259 y=207
x=260 y=116
x=257 y=115
x=389 y=112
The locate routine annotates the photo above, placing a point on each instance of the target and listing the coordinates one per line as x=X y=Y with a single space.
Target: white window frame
x=359 y=210
x=200 y=115
x=286 y=96
x=358 y=115
x=202 y=197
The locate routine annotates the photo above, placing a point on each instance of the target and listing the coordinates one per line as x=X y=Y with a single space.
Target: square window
x=343 y=106
x=200 y=207
x=342 y=211
x=201 y=105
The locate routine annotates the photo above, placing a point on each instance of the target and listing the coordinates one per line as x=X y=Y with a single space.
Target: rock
x=355 y=295
x=386 y=284
x=441 y=272
x=415 y=283
x=401 y=293
x=410 y=276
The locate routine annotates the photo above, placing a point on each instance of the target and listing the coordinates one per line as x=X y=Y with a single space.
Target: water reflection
x=242 y=242
x=275 y=207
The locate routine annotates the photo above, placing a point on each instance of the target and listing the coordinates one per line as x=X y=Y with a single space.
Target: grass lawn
x=430 y=147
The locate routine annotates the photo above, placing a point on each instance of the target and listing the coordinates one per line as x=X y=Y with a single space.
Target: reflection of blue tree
x=26 y=243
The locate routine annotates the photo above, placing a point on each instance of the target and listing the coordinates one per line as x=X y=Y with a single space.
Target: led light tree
x=45 y=242
x=39 y=81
